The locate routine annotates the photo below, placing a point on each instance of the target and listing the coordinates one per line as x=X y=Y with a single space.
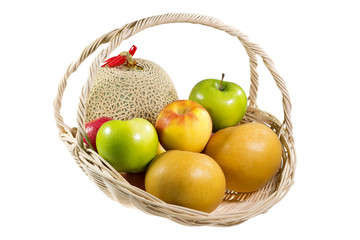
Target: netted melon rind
x=124 y=93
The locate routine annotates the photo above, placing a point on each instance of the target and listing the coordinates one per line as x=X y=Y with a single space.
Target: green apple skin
x=129 y=146
x=226 y=107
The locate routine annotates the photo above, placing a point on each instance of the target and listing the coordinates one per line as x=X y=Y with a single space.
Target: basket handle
x=71 y=69
x=115 y=38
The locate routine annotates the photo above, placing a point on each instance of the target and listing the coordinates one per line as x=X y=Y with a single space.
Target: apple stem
x=222 y=79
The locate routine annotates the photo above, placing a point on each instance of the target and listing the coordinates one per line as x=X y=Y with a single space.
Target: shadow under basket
x=235 y=207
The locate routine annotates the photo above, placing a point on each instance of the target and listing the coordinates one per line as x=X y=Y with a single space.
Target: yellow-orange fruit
x=160 y=150
x=187 y=179
x=249 y=155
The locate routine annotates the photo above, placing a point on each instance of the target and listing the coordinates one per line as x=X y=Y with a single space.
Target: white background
x=315 y=48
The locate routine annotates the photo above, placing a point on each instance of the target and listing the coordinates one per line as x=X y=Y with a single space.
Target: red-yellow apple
x=184 y=125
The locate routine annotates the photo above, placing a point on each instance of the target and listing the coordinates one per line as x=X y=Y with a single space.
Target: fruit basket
x=235 y=207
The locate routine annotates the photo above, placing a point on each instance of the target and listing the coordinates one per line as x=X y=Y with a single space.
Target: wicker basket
x=236 y=207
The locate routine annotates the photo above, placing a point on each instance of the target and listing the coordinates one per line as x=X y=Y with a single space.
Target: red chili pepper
x=120 y=59
x=115 y=61
x=132 y=50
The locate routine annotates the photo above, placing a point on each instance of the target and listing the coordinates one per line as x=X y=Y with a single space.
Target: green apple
x=226 y=102
x=128 y=146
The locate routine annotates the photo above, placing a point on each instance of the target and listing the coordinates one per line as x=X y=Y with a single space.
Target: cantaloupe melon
x=124 y=93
